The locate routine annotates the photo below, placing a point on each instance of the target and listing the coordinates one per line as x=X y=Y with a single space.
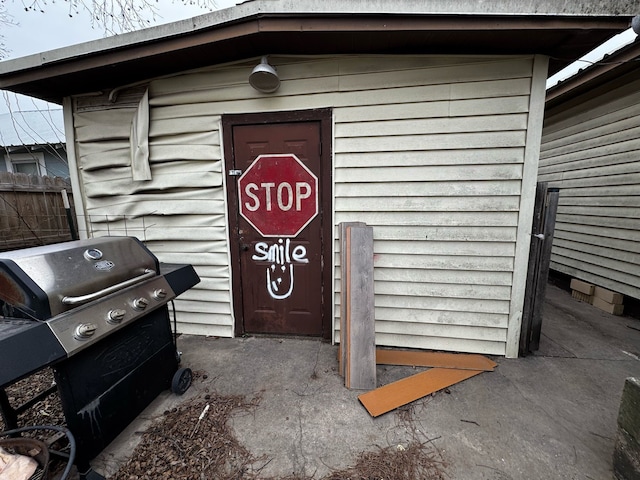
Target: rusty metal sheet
x=396 y=394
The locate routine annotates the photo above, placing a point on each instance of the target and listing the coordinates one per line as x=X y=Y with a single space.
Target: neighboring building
x=422 y=119
x=591 y=151
x=32 y=142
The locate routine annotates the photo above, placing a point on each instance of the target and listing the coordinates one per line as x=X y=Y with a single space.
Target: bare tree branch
x=111 y=16
x=6 y=20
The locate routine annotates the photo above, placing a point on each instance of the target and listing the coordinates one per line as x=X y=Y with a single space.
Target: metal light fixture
x=264 y=77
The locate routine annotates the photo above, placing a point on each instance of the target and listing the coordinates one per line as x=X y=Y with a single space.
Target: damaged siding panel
x=180 y=213
x=591 y=152
x=203 y=201
x=165 y=179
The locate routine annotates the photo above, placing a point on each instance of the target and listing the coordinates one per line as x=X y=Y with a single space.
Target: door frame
x=324 y=117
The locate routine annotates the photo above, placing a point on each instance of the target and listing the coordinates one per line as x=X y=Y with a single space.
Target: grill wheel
x=181 y=381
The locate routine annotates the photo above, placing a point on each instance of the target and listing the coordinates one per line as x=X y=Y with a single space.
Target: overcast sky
x=38 y=32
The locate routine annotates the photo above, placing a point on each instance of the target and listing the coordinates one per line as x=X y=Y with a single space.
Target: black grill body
x=101 y=323
x=102 y=389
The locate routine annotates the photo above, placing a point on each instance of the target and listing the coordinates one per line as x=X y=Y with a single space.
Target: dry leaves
x=172 y=448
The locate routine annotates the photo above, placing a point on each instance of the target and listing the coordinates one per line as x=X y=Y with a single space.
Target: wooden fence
x=32 y=211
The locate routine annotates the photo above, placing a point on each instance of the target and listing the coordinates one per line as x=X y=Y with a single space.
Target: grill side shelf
x=181 y=277
x=25 y=349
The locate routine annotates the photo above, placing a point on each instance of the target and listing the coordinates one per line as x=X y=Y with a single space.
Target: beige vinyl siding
x=428 y=150
x=438 y=176
x=591 y=151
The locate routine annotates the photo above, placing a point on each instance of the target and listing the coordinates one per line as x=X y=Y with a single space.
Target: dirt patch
x=46 y=412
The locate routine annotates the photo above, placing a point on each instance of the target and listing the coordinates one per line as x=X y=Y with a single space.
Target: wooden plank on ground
x=361 y=341
x=418 y=358
x=396 y=394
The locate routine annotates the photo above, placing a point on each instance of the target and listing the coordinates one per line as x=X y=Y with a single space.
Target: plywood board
x=344 y=297
x=417 y=358
x=394 y=395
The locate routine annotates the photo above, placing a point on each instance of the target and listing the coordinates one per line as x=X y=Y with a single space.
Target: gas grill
x=96 y=312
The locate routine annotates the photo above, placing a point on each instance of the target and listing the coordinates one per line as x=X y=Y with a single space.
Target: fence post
x=67 y=209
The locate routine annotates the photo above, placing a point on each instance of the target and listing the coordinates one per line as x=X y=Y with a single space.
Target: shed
x=421 y=118
x=591 y=151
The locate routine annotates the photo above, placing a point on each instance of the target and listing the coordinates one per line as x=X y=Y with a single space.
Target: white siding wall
x=428 y=150
x=591 y=151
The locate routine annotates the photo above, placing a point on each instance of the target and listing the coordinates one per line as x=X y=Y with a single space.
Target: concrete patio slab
x=548 y=415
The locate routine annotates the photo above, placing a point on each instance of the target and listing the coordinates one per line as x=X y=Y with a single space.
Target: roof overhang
x=270 y=27
x=612 y=71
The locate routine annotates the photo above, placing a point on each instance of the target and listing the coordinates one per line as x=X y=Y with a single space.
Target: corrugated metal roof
x=33 y=127
x=612 y=68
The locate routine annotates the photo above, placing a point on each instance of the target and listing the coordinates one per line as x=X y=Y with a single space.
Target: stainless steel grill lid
x=42 y=282
x=58 y=300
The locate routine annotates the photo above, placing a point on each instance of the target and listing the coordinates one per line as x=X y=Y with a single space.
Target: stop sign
x=278 y=195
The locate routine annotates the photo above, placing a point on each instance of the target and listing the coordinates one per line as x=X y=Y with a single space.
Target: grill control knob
x=140 y=303
x=116 y=315
x=159 y=293
x=84 y=331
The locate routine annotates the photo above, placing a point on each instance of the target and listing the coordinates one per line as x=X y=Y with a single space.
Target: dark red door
x=278 y=272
